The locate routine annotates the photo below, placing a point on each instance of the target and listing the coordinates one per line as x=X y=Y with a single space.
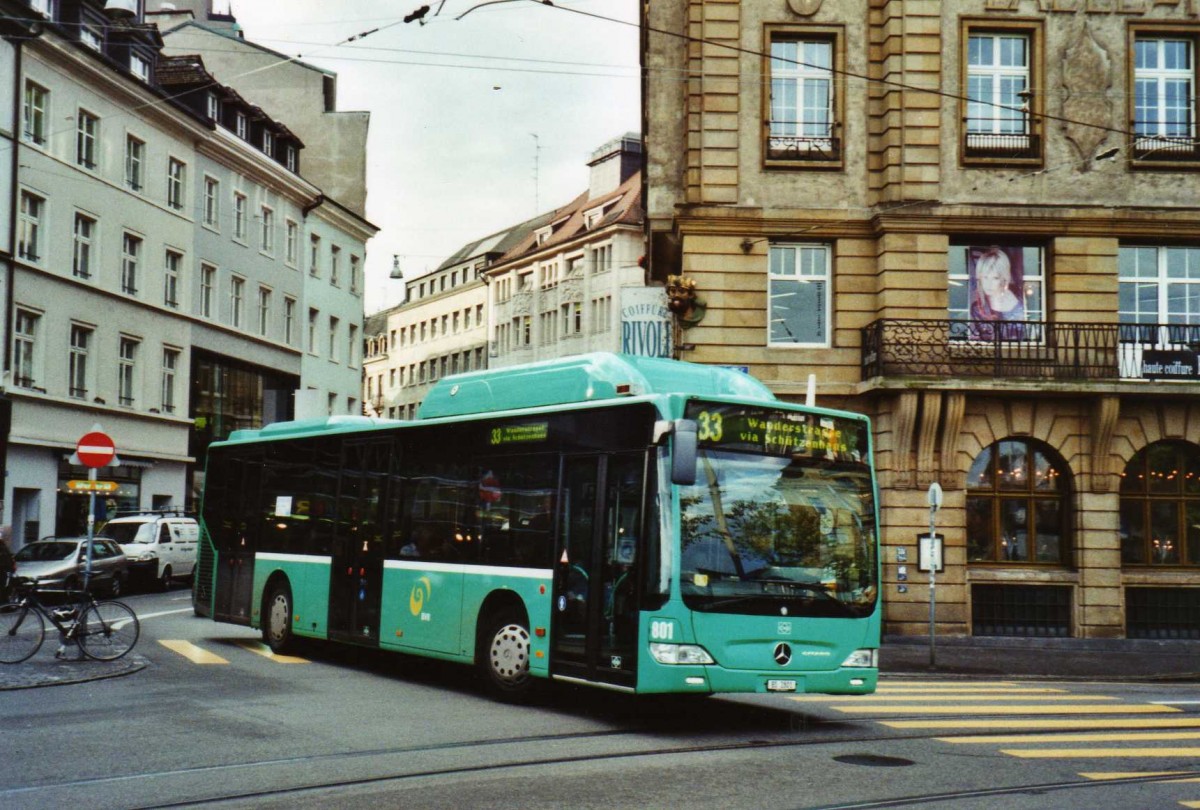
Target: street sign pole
x=94 y=449
x=935 y=503
x=91 y=522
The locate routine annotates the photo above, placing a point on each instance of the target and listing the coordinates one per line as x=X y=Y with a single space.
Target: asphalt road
x=213 y=718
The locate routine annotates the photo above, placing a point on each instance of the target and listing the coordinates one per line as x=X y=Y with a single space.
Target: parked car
x=159 y=547
x=61 y=563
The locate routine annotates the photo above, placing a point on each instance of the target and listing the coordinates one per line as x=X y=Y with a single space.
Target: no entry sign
x=95 y=449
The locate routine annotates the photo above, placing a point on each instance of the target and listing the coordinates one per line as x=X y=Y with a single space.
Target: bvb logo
x=420 y=592
x=805 y=8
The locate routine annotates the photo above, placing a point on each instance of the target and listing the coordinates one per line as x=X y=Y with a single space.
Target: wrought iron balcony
x=1031 y=350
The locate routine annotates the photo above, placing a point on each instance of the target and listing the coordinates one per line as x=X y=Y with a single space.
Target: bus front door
x=356 y=571
x=594 y=633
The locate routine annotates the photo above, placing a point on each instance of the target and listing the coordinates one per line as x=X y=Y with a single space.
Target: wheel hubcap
x=279 y=617
x=510 y=654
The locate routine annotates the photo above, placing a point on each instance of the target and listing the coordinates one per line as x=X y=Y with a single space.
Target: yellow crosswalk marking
x=990 y=696
x=1039 y=722
x=258 y=648
x=1190 y=804
x=1100 y=775
x=1128 y=736
x=996 y=708
x=1098 y=753
x=197 y=655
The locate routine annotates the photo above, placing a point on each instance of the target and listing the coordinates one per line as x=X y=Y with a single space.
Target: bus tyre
x=504 y=650
x=277 y=619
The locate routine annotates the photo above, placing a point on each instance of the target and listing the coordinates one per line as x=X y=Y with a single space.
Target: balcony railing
x=1035 y=350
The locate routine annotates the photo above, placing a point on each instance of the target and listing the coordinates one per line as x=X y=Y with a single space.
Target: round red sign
x=95 y=449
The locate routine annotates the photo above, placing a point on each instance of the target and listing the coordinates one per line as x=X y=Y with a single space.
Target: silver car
x=61 y=562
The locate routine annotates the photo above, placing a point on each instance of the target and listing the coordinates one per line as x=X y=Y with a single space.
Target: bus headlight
x=680 y=654
x=862 y=658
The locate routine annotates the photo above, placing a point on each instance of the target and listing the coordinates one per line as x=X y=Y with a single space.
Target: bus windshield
x=778 y=534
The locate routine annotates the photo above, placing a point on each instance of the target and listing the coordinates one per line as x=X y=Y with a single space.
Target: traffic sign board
x=95 y=449
x=93 y=486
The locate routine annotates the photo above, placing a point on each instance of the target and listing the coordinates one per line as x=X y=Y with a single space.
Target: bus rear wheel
x=504 y=650
x=277 y=619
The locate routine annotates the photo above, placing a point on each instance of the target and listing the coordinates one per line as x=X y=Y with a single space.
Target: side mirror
x=683 y=453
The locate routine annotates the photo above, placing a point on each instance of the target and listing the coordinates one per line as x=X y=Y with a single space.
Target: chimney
x=614 y=163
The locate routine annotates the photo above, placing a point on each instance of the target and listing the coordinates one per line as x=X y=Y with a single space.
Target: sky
x=455 y=107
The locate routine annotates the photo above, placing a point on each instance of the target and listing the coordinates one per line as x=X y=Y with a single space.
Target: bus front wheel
x=504 y=656
x=277 y=619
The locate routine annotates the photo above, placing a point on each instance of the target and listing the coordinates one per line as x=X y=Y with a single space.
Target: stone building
x=977 y=221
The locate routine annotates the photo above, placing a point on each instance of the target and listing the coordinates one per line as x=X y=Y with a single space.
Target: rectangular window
x=289 y=321
x=37 y=100
x=268 y=143
x=212 y=106
x=239 y=216
x=170 y=368
x=208 y=285
x=29 y=227
x=333 y=337
x=313 y=318
x=212 y=203
x=798 y=295
x=239 y=124
x=602 y=259
x=81 y=259
x=135 y=156
x=355 y=274
x=1159 y=288
x=171 y=264
x=1000 y=104
x=290 y=247
x=25 y=329
x=267 y=240
x=291 y=159
x=77 y=363
x=176 y=174
x=335 y=261
x=264 y=310
x=995 y=290
x=237 y=300
x=91 y=37
x=87 y=129
x=314 y=256
x=802 y=126
x=131 y=252
x=1164 y=97
x=139 y=66
x=127 y=372
x=352 y=346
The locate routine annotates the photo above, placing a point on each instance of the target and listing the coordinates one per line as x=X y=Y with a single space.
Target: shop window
x=1000 y=108
x=997 y=292
x=1160 y=506
x=1018 y=505
x=803 y=110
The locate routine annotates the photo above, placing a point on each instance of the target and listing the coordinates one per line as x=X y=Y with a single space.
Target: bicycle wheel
x=107 y=630
x=21 y=633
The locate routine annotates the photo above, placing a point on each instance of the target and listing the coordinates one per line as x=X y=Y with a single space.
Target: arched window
x=1017 y=505
x=1160 y=506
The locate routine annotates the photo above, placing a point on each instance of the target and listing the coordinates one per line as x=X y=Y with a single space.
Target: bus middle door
x=356 y=570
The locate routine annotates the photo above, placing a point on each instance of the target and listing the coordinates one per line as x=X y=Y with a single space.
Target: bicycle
x=104 y=631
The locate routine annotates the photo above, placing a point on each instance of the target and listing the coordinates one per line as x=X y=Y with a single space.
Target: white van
x=159 y=547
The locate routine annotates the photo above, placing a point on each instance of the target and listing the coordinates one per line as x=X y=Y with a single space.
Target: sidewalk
x=1058 y=658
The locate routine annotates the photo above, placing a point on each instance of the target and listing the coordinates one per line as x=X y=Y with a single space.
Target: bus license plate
x=775 y=685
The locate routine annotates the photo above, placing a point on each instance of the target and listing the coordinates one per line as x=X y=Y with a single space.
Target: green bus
x=638 y=524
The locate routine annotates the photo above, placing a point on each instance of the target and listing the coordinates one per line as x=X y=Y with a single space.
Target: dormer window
x=290 y=158
x=213 y=106
x=91 y=37
x=592 y=218
x=268 y=142
x=240 y=127
x=43 y=7
x=139 y=66
x=543 y=234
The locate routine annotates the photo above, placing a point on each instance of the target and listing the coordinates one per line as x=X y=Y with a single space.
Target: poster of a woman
x=997 y=292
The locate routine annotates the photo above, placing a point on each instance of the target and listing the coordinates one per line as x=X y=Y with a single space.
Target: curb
x=44 y=670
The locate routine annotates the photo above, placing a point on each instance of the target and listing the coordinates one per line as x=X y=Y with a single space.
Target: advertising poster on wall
x=645 y=322
x=996 y=287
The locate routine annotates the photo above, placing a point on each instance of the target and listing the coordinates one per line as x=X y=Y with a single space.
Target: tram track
x=132 y=785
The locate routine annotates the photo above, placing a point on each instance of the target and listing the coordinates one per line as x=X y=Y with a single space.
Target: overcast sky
x=455 y=105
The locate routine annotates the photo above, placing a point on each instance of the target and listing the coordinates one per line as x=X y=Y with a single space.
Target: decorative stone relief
x=1086 y=80
x=805 y=8
x=572 y=291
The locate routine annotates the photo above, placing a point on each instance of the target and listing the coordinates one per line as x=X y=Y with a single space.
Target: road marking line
x=1067 y=723
x=943 y=684
x=1098 y=753
x=1008 y=690
x=258 y=648
x=1100 y=775
x=1190 y=804
x=1176 y=702
x=142 y=616
x=956 y=697
x=1128 y=736
x=197 y=655
x=994 y=708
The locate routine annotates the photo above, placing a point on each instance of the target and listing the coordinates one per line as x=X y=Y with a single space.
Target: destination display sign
x=519 y=433
x=776 y=432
